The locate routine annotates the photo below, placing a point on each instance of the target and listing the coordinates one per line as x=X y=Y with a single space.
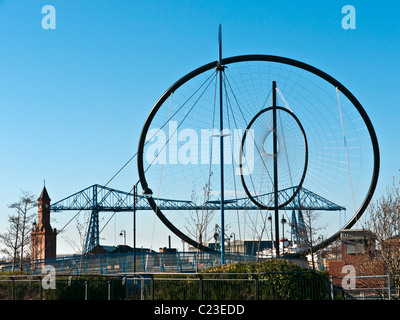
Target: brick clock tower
x=43 y=236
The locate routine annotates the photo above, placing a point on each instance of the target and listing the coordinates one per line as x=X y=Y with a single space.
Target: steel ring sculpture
x=262 y=155
x=341 y=135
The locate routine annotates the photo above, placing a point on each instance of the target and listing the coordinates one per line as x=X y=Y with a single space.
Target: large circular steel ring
x=264 y=58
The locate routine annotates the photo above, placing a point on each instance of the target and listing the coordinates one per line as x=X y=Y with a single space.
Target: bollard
x=256 y=288
x=87 y=290
x=200 y=287
x=109 y=295
x=13 y=289
x=152 y=287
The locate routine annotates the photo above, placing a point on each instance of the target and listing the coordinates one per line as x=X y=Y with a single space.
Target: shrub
x=277 y=279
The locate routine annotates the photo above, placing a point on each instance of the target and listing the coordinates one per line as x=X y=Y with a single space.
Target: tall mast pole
x=134 y=226
x=220 y=69
x=275 y=146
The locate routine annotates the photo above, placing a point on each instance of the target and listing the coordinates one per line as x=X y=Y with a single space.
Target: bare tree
x=81 y=226
x=258 y=229
x=382 y=252
x=333 y=251
x=9 y=240
x=377 y=249
x=82 y=223
x=384 y=223
x=200 y=219
x=17 y=237
x=308 y=233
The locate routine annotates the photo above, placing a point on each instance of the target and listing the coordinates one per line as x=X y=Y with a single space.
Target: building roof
x=355 y=234
x=44 y=195
x=101 y=249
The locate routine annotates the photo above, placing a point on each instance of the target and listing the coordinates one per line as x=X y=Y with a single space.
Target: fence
x=70 y=269
x=108 y=264
x=177 y=286
x=378 y=287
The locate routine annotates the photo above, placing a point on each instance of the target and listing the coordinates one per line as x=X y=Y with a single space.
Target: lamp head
x=148 y=193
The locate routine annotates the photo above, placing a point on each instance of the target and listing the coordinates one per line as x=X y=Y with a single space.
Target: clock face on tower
x=46 y=205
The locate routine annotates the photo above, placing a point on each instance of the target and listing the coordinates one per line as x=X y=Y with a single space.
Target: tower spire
x=43 y=236
x=44 y=195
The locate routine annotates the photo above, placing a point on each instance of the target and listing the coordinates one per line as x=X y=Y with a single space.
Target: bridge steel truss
x=97 y=198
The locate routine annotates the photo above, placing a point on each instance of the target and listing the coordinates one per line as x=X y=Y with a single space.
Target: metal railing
x=108 y=264
x=171 y=286
x=156 y=276
x=376 y=287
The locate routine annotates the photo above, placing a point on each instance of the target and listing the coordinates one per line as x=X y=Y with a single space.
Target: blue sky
x=73 y=100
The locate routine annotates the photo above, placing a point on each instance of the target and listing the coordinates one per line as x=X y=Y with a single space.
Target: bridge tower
x=43 y=236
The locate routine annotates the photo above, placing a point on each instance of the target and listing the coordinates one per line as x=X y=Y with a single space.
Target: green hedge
x=265 y=266
x=276 y=279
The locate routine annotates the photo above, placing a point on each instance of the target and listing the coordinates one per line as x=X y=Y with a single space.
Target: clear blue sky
x=73 y=100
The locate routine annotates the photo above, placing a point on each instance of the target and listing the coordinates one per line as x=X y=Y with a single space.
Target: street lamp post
x=283 y=221
x=272 y=235
x=148 y=193
x=234 y=241
x=123 y=233
x=134 y=226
